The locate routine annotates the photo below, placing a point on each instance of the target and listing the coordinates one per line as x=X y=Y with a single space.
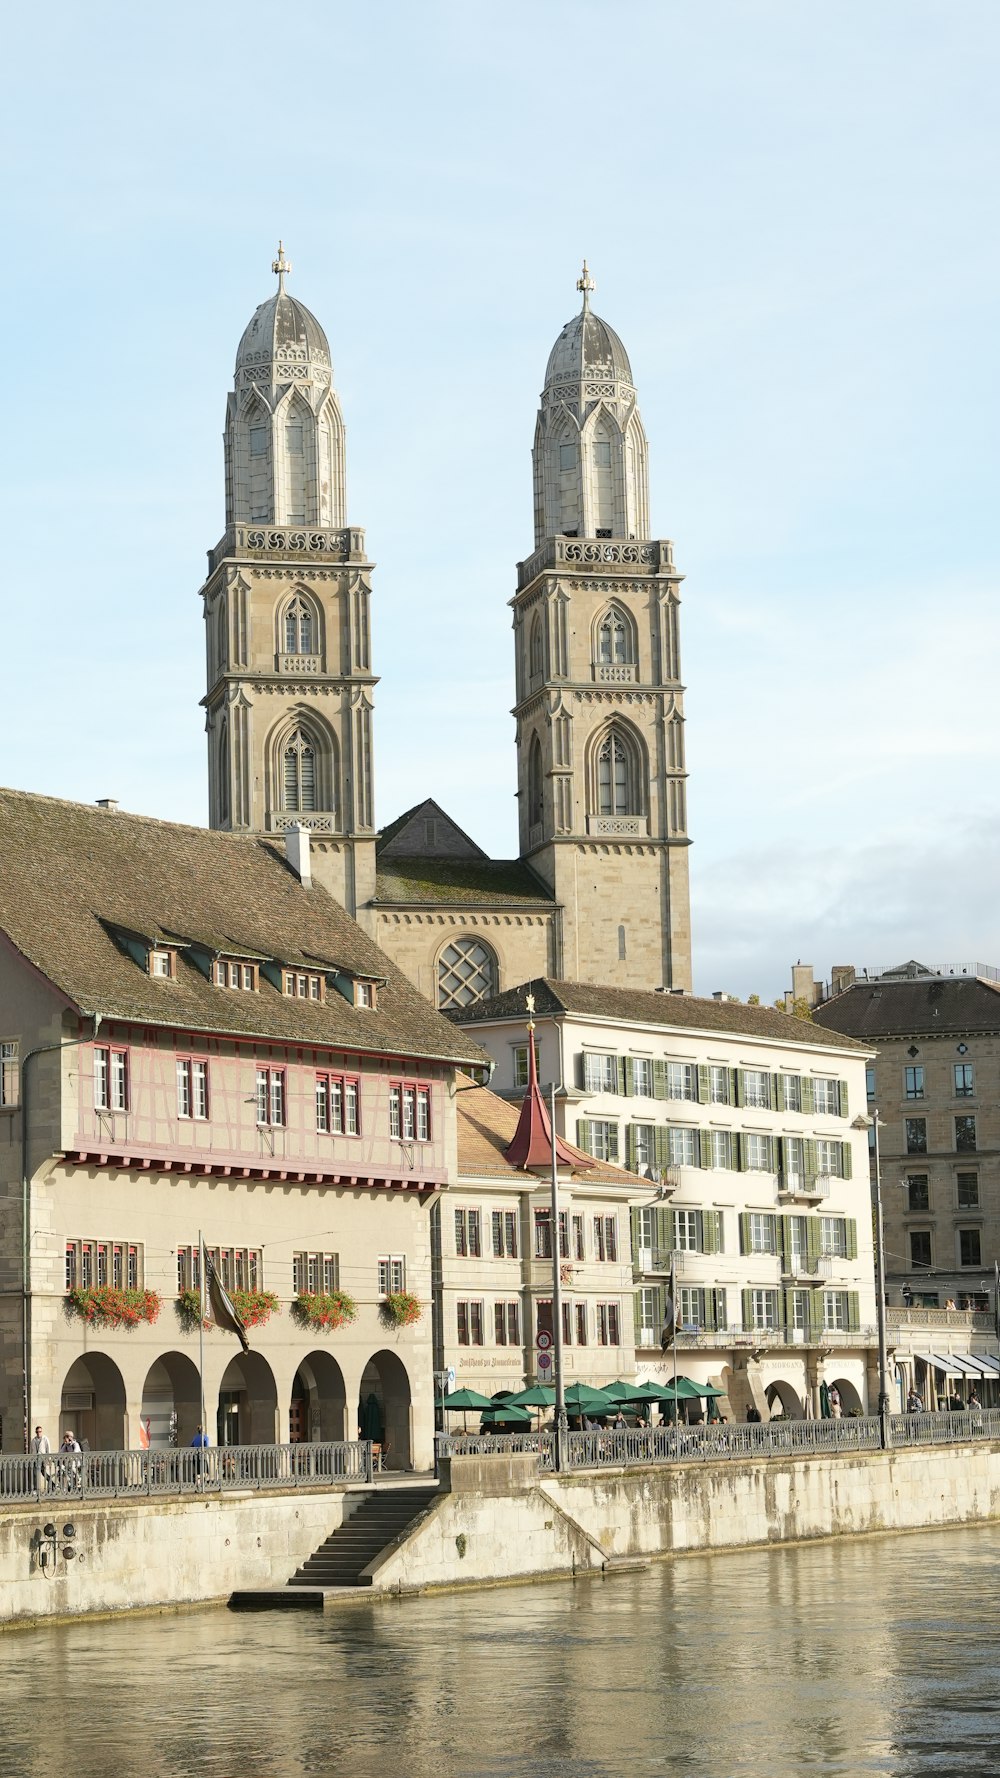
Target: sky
x=790 y=212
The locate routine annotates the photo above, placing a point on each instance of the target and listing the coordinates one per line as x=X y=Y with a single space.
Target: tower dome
x=284 y=429
x=587 y=348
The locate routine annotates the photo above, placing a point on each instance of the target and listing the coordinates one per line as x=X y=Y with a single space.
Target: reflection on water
x=881 y=1656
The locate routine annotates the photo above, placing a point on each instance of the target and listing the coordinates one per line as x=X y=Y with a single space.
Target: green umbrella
x=582 y=1399
x=465 y=1398
x=686 y=1387
x=503 y=1413
x=539 y=1395
x=623 y=1393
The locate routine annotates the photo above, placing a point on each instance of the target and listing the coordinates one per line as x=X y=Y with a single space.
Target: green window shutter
x=710 y=1310
x=739 y=1157
x=613 y=1142
x=779 y=1154
x=663 y=1228
x=747 y=1296
x=815 y=1313
x=812 y=1237
x=659 y=1080
x=852 y=1238
x=583 y=1134
x=745 y=1231
x=710 y=1242
x=853 y=1311
x=808 y=1096
x=845 y=1160
x=811 y=1158
x=581 y=1076
x=624 y=1074
x=661 y=1148
x=634 y=1231
x=784 y=1240
x=844 y=1111
x=738 y=1094
x=705 y=1144
x=779 y=1092
x=704 y=1083
x=630 y=1147
x=787 y=1304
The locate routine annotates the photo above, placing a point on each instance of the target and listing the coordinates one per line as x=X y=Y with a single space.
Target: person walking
x=914 y=1405
x=39 y=1447
x=72 y=1464
x=836 y=1408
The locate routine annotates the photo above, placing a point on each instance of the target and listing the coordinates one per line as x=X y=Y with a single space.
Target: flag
x=220 y=1307
x=669 y=1333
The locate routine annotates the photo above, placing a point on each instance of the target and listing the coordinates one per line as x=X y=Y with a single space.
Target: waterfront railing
x=95 y=1475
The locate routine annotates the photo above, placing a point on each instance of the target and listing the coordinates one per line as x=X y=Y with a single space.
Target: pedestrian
x=200 y=1444
x=72 y=1466
x=974 y=1401
x=907 y=1297
x=836 y=1408
x=914 y=1405
x=39 y=1443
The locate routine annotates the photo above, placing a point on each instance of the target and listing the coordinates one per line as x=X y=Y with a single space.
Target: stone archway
x=784 y=1402
x=318 y=1409
x=247 y=1411
x=171 y=1400
x=386 y=1379
x=850 y=1400
x=92 y=1403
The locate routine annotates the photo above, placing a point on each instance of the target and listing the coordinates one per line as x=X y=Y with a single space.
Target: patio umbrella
x=370 y=1419
x=464 y=1399
x=623 y=1393
x=504 y=1413
x=582 y=1399
x=538 y=1395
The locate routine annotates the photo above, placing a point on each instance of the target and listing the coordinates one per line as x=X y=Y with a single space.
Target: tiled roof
x=486 y=1124
x=642 y=1007
x=919 y=1006
x=468 y=882
x=70 y=875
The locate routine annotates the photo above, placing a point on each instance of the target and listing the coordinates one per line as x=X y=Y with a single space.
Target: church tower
x=600 y=717
x=286 y=602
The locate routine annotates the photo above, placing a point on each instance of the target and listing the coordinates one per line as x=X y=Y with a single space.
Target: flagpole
x=673 y=1299
x=562 y=1427
x=201 y=1326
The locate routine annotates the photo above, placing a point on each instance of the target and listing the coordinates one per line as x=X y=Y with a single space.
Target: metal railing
x=96 y=1475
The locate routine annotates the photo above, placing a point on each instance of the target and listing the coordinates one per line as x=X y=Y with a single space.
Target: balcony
x=801 y=1270
x=758 y=1339
x=318 y=542
x=608 y=555
x=803 y=1188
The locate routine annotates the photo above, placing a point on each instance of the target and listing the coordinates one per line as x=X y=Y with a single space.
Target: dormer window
x=364 y=994
x=302 y=985
x=229 y=974
x=163 y=964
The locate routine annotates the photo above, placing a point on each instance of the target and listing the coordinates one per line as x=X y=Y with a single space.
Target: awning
x=991 y=1366
x=983 y=1368
x=950 y=1365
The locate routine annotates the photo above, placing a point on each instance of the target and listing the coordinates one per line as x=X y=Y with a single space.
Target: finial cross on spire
x=585 y=283
x=283 y=266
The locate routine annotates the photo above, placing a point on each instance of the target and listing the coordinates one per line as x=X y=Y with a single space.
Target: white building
x=746 y=1118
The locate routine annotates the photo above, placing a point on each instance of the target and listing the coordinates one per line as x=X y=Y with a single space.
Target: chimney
x=297 y=853
x=107 y=802
x=719 y=994
x=842 y=976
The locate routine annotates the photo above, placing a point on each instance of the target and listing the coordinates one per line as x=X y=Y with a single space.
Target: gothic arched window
x=467 y=971
x=618 y=786
x=298 y=773
x=614 y=640
x=536 y=649
x=534 y=783
x=299 y=628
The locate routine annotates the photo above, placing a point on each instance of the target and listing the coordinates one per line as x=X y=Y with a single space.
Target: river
x=875 y=1656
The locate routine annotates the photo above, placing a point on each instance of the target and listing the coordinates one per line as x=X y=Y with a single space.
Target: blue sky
x=790 y=213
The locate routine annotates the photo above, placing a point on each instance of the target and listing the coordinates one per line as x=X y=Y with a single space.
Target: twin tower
x=599 y=892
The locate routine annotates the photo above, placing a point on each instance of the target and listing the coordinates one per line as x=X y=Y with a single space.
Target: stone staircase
x=381 y=1517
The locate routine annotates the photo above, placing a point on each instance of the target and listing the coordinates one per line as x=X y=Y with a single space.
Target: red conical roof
x=530 y=1147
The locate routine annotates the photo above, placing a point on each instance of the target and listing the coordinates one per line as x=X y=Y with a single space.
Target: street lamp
x=865 y=1123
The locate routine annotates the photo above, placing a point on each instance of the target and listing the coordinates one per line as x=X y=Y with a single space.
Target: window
x=192 y=1087
x=242 y=976
x=613 y=640
x=298 y=774
x=504 y=1226
x=913 y=1082
x=161 y=964
x=763 y=1308
x=686 y=1231
x=338 y=1104
x=600 y=1073
x=521 y=1064
x=299 y=985
x=722 y=1148
x=391 y=1274
x=720 y=1085
x=756 y=1087
x=967 y=1185
x=833 y=1236
x=467 y=972
x=965 y=1081
x=642 y=1148
x=870 y=1083
x=608 y=1324
x=917 y=1192
x=507 y=1324
x=110 y=1079
x=468 y=1234
x=299 y=628
x=830 y=1159
x=578 y=1244
x=970 y=1247
x=916 y=1135
x=271 y=1097
x=238 y=1268
x=602 y=453
x=836 y=1311
x=258 y=441
x=409 y=1111
x=606 y=1237
x=642 y=1077
x=581 y=1323
x=616 y=793
x=567 y=456
x=762 y=1232
x=793 y=1158
x=601 y=1139
x=791 y=1086
x=920 y=1247
x=470 y=1323
x=536 y=649
x=683 y=1147
x=965 y=1135
x=682 y=1080
x=543 y=1235
x=315 y=1274
x=9 y=1075
x=759 y=1152
x=365 y=994
x=115 y=1263
x=826 y=1096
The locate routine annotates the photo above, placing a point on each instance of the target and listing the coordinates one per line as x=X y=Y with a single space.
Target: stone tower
x=287 y=622
x=600 y=720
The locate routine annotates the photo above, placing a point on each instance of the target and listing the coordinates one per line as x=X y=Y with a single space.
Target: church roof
x=282 y=328
x=642 y=1007
x=465 y=882
x=587 y=347
x=73 y=877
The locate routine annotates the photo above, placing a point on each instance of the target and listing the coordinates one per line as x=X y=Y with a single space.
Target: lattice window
x=299 y=773
x=299 y=627
x=467 y=972
x=614 y=640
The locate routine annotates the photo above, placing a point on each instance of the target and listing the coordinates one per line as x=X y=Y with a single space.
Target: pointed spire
x=283 y=266
x=586 y=283
x=530 y=1147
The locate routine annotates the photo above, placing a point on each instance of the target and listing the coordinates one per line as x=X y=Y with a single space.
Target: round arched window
x=467 y=971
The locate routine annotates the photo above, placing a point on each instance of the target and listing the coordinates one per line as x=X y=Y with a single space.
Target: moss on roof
x=470 y=882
